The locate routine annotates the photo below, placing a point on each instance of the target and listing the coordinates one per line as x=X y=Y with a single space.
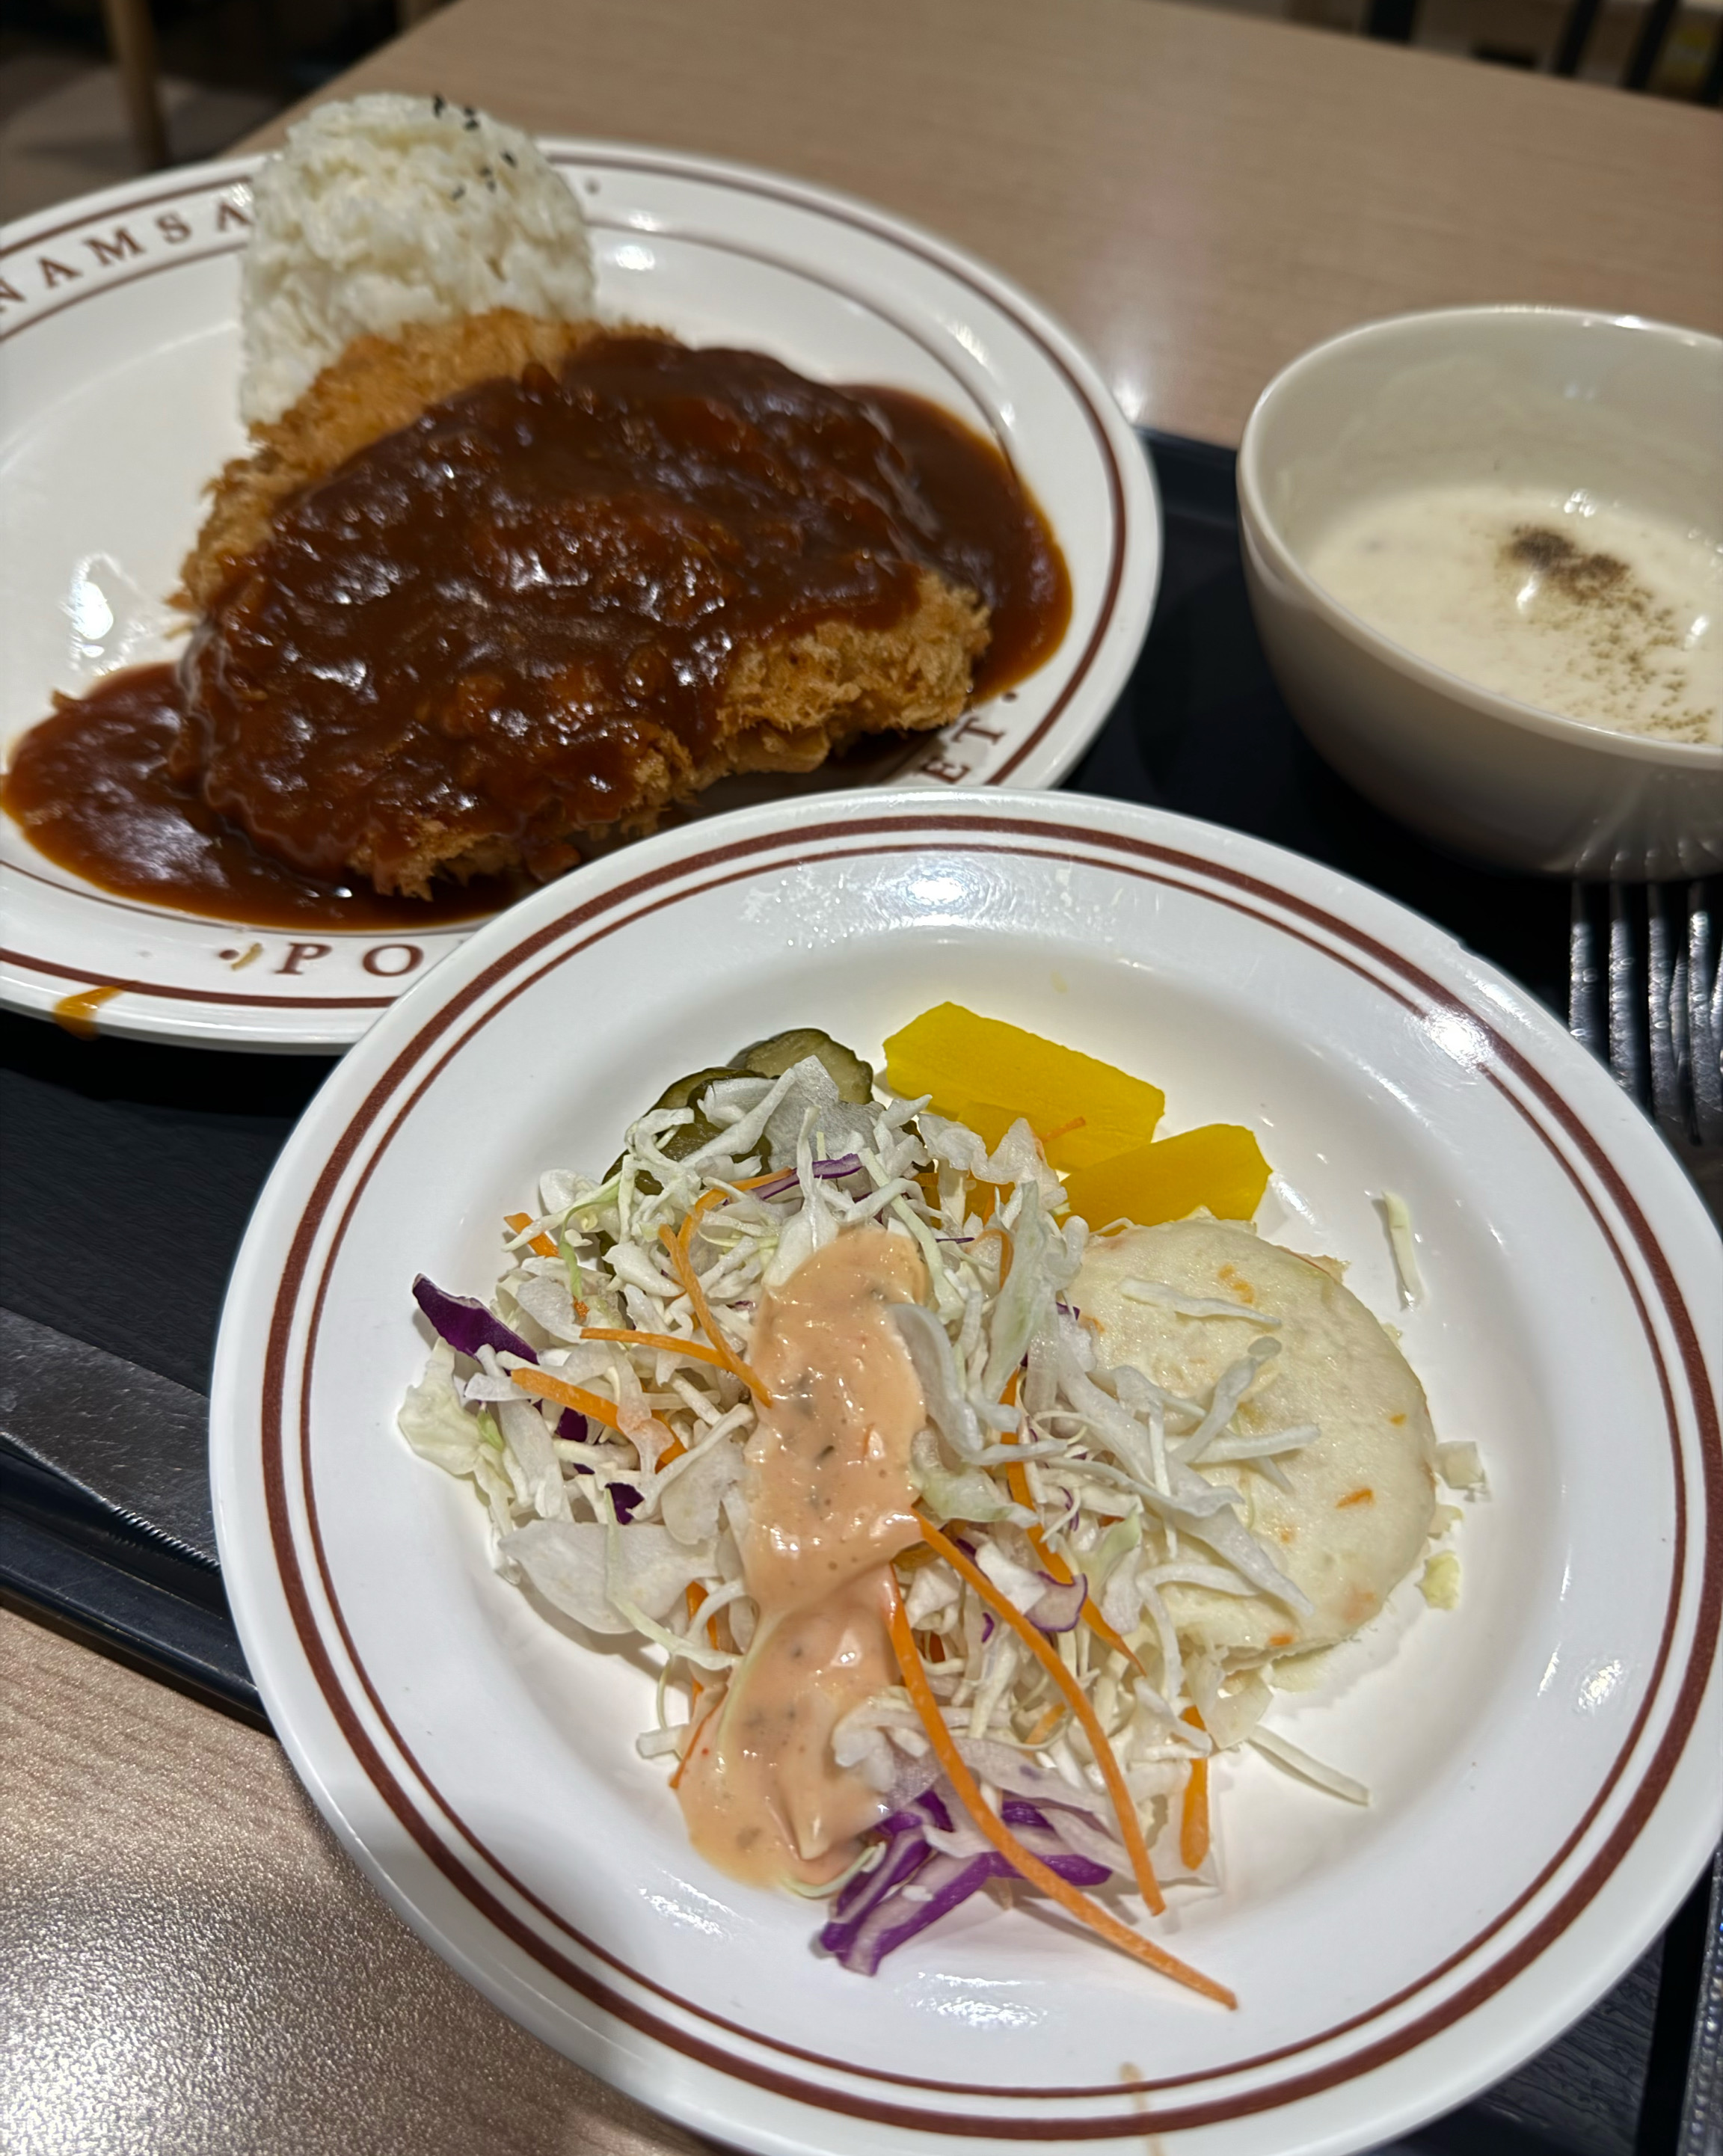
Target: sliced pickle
x=689 y=1137
x=771 y=1058
x=686 y=1137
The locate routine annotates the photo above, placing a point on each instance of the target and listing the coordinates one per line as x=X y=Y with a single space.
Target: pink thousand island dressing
x=830 y=1505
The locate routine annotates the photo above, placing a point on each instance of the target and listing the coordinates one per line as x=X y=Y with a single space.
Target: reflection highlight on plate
x=980 y=2003
x=1598 y=1686
x=1458 y=1037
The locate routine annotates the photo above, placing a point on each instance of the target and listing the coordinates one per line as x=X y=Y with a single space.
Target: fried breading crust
x=786 y=706
x=377 y=385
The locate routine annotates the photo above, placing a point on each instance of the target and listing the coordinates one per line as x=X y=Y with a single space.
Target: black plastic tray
x=129 y=1173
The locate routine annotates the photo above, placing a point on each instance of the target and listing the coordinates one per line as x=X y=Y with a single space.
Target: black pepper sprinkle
x=439 y=106
x=508 y=156
x=1622 y=623
x=457 y=195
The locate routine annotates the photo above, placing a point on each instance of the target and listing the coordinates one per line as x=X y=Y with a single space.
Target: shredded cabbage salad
x=602 y=1405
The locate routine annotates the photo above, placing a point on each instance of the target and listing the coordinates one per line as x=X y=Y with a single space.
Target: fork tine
x=1586 y=1019
x=1666 y=1103
x=1627 y=1052
x=1704 y=1018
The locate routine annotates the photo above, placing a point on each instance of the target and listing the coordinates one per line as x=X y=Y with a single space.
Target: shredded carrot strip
x=1130 y=1829
x=1007 y=1250
x=709 y=1199
x=548 y=1388
x=1018 y=1482
x=674 y=1450
x=1063 y=1573
x=689 y=1347
x=1193 y=1821
x=695 y=1595
x=542 y=1244
x=696 y=1603
x=1105 y=1633
x=693 y=1735
x=682 y=1264
x=1069 y=1898
x=1046 y=1725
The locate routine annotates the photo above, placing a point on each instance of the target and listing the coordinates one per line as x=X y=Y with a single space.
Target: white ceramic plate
x=1543 y=1760
x=119 y=317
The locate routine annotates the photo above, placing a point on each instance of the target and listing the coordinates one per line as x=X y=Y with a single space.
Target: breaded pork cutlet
x=494 y=590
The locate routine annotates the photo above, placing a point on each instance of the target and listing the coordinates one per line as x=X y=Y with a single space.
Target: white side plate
x=1542 y=1760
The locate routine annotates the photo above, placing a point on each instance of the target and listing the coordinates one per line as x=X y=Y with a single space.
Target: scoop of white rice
x=391 y=209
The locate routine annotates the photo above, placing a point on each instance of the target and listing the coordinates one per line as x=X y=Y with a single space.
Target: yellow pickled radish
x=986 y=1073
x=1220 y=1167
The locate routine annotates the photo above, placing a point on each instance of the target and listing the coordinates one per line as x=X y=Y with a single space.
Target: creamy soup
x=1598 y=612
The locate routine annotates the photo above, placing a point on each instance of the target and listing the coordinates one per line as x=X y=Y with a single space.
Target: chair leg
x=1710 y=90
x=132 y=39
x=1648 y=50
x=1575 y=33
x=1393 y=21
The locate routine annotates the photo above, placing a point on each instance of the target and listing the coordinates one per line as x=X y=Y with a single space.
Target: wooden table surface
x=1201 y=196
x=187 y=1962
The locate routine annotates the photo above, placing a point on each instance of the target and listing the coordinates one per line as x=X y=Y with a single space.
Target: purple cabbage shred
x=1060 y=1606
x=874 y=1914
x=468 y=1326
x=827 y=1171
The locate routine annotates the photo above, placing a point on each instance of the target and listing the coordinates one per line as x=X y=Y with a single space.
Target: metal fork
x=1652 y=1008
x=1659 y=1024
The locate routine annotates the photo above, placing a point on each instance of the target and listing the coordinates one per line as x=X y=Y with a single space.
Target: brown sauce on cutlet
x=992 y=536
x=91 y=787
x=488 y=623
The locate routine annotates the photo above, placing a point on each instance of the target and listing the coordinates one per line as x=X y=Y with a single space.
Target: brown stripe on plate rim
x=115 y=284
x=181 y=191
x=937 y=352
x=1488 y=1981
x=93 y=977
